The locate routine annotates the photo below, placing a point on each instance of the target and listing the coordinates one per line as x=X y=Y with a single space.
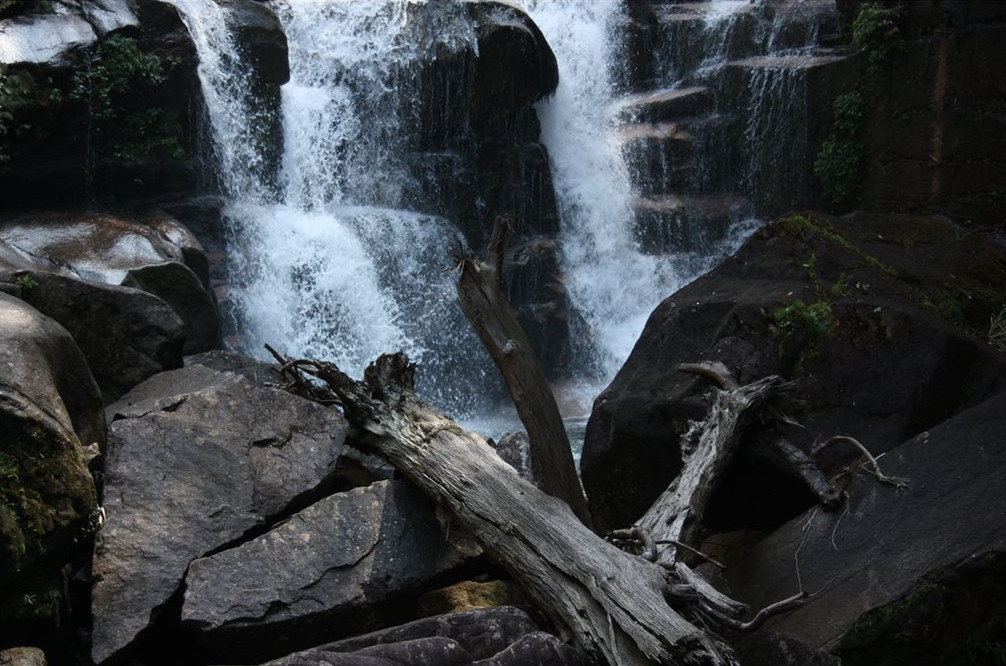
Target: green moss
x=113 y=87
x=805 y=226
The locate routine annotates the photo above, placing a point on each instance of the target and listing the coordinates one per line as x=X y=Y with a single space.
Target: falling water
x=336 y=267
x=611 y=283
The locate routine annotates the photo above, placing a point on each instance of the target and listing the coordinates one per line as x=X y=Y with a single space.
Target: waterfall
x=336 y=266
x=612 y=284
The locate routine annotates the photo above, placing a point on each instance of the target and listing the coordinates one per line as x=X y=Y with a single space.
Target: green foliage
x=113 y=87
x=847 y=113
x=839 y=168
x=799 y=327
x=25 y=282
x=839 y=162
x=876 y=30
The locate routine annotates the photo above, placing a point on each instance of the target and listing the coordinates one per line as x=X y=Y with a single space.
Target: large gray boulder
x=55 y=38
x=332 y=564
x=884 y=542
x=156 y=254
x=191 y=475
x=49 y=407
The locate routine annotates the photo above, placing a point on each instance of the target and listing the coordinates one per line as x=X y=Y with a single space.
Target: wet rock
x=482 y=633
x=23 y=656
x=878 y=320
x=260 y=36
x=126 y=335
x=192 y=477
x=156 y=254
x=875 y=551
x=331 y=565
x=49 y=406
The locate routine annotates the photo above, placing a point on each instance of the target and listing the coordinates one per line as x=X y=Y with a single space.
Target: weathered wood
x=788 y=458
x=677 y=514
x=611 y=603
x=484 y=302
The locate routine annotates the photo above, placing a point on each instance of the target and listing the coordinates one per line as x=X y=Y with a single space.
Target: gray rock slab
x=348 y=552
x=535 y=649
x=874 y=552
x=193 y=477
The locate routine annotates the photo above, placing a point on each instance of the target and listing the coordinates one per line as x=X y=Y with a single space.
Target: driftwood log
x=611 y=604
x=484 y=302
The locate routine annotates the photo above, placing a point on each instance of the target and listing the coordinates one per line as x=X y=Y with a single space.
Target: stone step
x=821 y=58
x=684 y=157
x=672 y=223
x=665 y=105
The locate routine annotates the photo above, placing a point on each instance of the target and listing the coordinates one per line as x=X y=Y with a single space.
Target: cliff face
x=936 y=135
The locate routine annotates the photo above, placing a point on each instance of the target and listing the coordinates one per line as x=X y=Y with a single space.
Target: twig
x=696 y=551
x=899 y=484
x=835 y=529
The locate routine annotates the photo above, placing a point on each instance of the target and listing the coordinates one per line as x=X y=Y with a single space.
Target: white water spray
x=336 y=269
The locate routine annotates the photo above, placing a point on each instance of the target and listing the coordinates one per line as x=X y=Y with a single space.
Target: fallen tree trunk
x=611 y=604
x=484 y=302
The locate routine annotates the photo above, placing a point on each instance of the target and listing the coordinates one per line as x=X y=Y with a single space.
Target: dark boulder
x=192 y=476
x=878 y=320
x=126 y=335
x=882 y=545
x=49 y=407
x=350 y=560
x=516 y=66
x=261 y=38
x=419 y=652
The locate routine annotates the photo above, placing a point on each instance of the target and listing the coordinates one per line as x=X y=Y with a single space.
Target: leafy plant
x=839 y=168
x=120 y=75
x=25 y=282
x=876 y=30
x=848 y=112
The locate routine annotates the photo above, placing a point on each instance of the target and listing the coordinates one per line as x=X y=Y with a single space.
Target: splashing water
x=335 y=268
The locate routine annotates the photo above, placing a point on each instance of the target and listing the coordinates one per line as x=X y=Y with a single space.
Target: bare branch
x=899 y=484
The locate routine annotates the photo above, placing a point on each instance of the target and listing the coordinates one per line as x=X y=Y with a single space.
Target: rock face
x=49 y=406
x=329 y=565
x=934 y=133
x=875 y=318
x=873 y=553
x=198 y=473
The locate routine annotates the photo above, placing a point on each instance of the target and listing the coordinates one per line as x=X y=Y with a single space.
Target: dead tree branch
x=612 y=604
x=484 y=302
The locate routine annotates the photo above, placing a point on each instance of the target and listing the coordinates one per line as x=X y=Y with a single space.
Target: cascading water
x=611 y=283
x=334 y=267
